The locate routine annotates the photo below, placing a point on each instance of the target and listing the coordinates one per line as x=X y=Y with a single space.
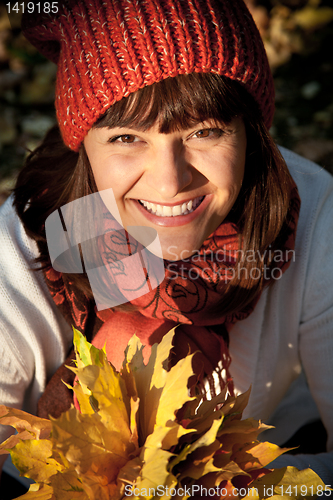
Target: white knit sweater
x=290 y=331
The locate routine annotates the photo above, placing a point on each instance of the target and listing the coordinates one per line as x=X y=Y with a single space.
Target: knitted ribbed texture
x=106 y=50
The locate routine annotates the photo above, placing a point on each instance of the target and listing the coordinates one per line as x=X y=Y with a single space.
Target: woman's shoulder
x=22 y=286
x=314 y=239
x=313 y=181
x=19 y=281
x=28 y=314
x=7 y=210
x=17 y=249
x=315 y=186
x=11 y=225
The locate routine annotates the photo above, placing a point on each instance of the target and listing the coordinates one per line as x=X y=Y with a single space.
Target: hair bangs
x=175 y=103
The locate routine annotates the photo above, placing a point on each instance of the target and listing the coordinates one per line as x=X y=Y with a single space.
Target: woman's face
x=183 y=183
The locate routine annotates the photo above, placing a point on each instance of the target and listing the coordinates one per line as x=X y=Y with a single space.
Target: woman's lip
x=178 y=220
x=171 y=204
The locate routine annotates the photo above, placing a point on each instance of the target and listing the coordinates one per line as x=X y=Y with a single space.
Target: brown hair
x=54 y=175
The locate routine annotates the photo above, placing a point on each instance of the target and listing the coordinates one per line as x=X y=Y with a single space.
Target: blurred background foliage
x=298 y=36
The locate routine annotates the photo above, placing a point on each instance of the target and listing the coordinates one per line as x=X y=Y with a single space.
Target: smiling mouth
x=174 y=211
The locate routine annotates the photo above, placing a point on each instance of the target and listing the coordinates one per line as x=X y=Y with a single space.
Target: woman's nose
x=168 y=172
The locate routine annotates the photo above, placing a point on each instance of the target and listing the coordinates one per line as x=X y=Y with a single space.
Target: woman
x=168 y=104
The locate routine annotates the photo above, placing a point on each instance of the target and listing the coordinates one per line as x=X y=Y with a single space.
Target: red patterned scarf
x=190 y=291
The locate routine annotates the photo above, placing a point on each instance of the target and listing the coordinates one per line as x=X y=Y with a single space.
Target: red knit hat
x=107 y=49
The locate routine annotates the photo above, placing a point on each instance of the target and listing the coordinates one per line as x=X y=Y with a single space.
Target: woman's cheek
x=120 y=174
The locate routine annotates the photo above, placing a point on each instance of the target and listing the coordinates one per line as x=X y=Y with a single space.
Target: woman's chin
x=174 y=252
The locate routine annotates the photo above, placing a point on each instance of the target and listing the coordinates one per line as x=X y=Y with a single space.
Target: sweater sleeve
x=34 y=338
x=15 y=376
x=316 y=327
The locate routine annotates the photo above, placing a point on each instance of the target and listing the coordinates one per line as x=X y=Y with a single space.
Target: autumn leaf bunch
x=140 y=435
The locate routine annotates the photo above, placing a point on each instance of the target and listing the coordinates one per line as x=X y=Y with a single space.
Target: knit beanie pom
x=108 y=49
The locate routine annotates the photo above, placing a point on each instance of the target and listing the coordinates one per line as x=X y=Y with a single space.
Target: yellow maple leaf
x=38 y=428
x=39 y=492
x=33 y=457
x=140 y=433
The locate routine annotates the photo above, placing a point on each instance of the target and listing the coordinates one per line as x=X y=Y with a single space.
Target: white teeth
x=167 y=211
x=177 y=210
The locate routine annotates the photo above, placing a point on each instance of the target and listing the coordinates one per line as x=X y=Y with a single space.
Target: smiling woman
x=169 y=104
x=149 y=149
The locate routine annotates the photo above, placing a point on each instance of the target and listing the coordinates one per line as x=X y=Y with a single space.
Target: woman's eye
x=203 y=133
x=125 y=139
x=208 y=132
